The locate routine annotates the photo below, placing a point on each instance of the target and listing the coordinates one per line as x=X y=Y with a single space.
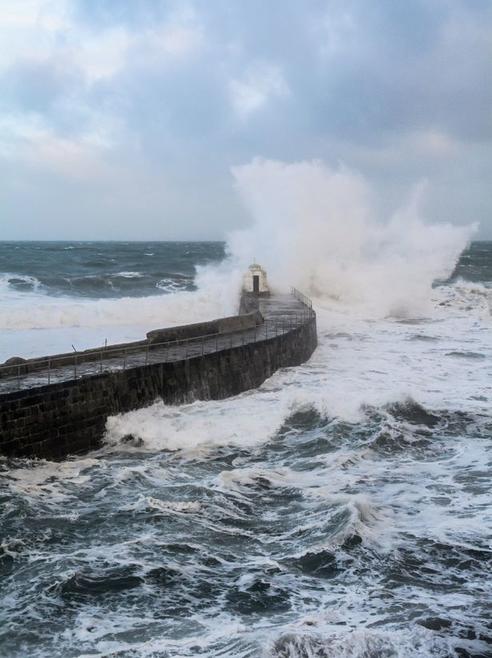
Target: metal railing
x=38 y=372
x=301 y=297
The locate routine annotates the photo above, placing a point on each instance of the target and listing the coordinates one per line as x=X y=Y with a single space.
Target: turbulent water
x=342 y=509
x=54 y=295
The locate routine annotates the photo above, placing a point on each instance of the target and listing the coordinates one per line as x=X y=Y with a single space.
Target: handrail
x=80 y=364
x=95 y=355
x=301 y=297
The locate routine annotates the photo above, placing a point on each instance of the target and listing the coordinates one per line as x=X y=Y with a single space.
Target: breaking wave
x=317 y=228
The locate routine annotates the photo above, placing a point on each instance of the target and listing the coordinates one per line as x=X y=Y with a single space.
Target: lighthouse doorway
x=256 y=283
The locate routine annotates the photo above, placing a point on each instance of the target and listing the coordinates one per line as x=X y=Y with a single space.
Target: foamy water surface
x=342 y=509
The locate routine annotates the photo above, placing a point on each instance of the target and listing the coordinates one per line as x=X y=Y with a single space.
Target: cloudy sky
x=122 y=119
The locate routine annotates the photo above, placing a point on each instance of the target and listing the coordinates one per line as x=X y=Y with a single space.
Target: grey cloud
x=37 y=85
x=132 y=13
x=360 y=76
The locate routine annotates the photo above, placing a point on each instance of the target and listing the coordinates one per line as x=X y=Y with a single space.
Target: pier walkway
x=281 y=313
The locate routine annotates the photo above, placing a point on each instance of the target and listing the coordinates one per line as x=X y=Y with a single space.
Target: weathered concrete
x=69 y=416
x=246 y=320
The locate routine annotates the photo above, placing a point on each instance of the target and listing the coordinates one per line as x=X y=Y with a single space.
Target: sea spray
x=316 y=227
x=312 y=226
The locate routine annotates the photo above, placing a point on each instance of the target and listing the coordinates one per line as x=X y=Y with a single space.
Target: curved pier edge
x=67 y=417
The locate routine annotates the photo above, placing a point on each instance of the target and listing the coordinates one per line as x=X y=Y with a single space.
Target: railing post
x=49 y=371
x=124 y=359
x=18 y=375
x=75 y=366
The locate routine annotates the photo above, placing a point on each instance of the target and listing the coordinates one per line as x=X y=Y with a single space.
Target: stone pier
x=58 y=406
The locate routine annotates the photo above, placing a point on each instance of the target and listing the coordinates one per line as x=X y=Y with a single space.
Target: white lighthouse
x=255 y=281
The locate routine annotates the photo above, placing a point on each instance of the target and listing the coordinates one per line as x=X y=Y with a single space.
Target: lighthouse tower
x=255 y=281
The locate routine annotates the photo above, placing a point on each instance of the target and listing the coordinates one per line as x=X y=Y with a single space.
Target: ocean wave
x=151 y=312
x=129 y=275
x=18 y=283
x=90 y=584
x=195 y=428
x=173 y=506
x=464 y=297
x=171 y=285
x=361 y=644
x=466 y=355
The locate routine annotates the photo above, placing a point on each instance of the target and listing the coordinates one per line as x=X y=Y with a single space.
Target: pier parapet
x=58 y=405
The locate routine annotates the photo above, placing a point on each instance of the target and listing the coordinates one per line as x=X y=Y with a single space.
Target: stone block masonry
x=69 y=417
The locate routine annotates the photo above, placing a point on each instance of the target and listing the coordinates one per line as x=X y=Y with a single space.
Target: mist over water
x=341 y=509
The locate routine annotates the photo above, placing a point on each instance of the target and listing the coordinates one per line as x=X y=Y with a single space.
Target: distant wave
x=129 y=275
x=155 y=310
x=19 y=282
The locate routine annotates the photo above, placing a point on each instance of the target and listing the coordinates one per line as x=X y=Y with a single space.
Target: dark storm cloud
x=399 y=90
x=354 y=69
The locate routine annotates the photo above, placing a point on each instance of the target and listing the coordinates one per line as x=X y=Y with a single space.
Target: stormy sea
x=344 y=508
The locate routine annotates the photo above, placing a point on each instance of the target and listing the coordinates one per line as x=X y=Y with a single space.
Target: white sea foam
x=174 y=506
x=42 y=482
x=129 y=275
x=359 y=644
x=200 y=427
x=169 y=285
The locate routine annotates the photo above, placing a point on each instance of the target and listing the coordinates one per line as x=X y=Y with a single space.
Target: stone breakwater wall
x=65 y=418
x=248 y=320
